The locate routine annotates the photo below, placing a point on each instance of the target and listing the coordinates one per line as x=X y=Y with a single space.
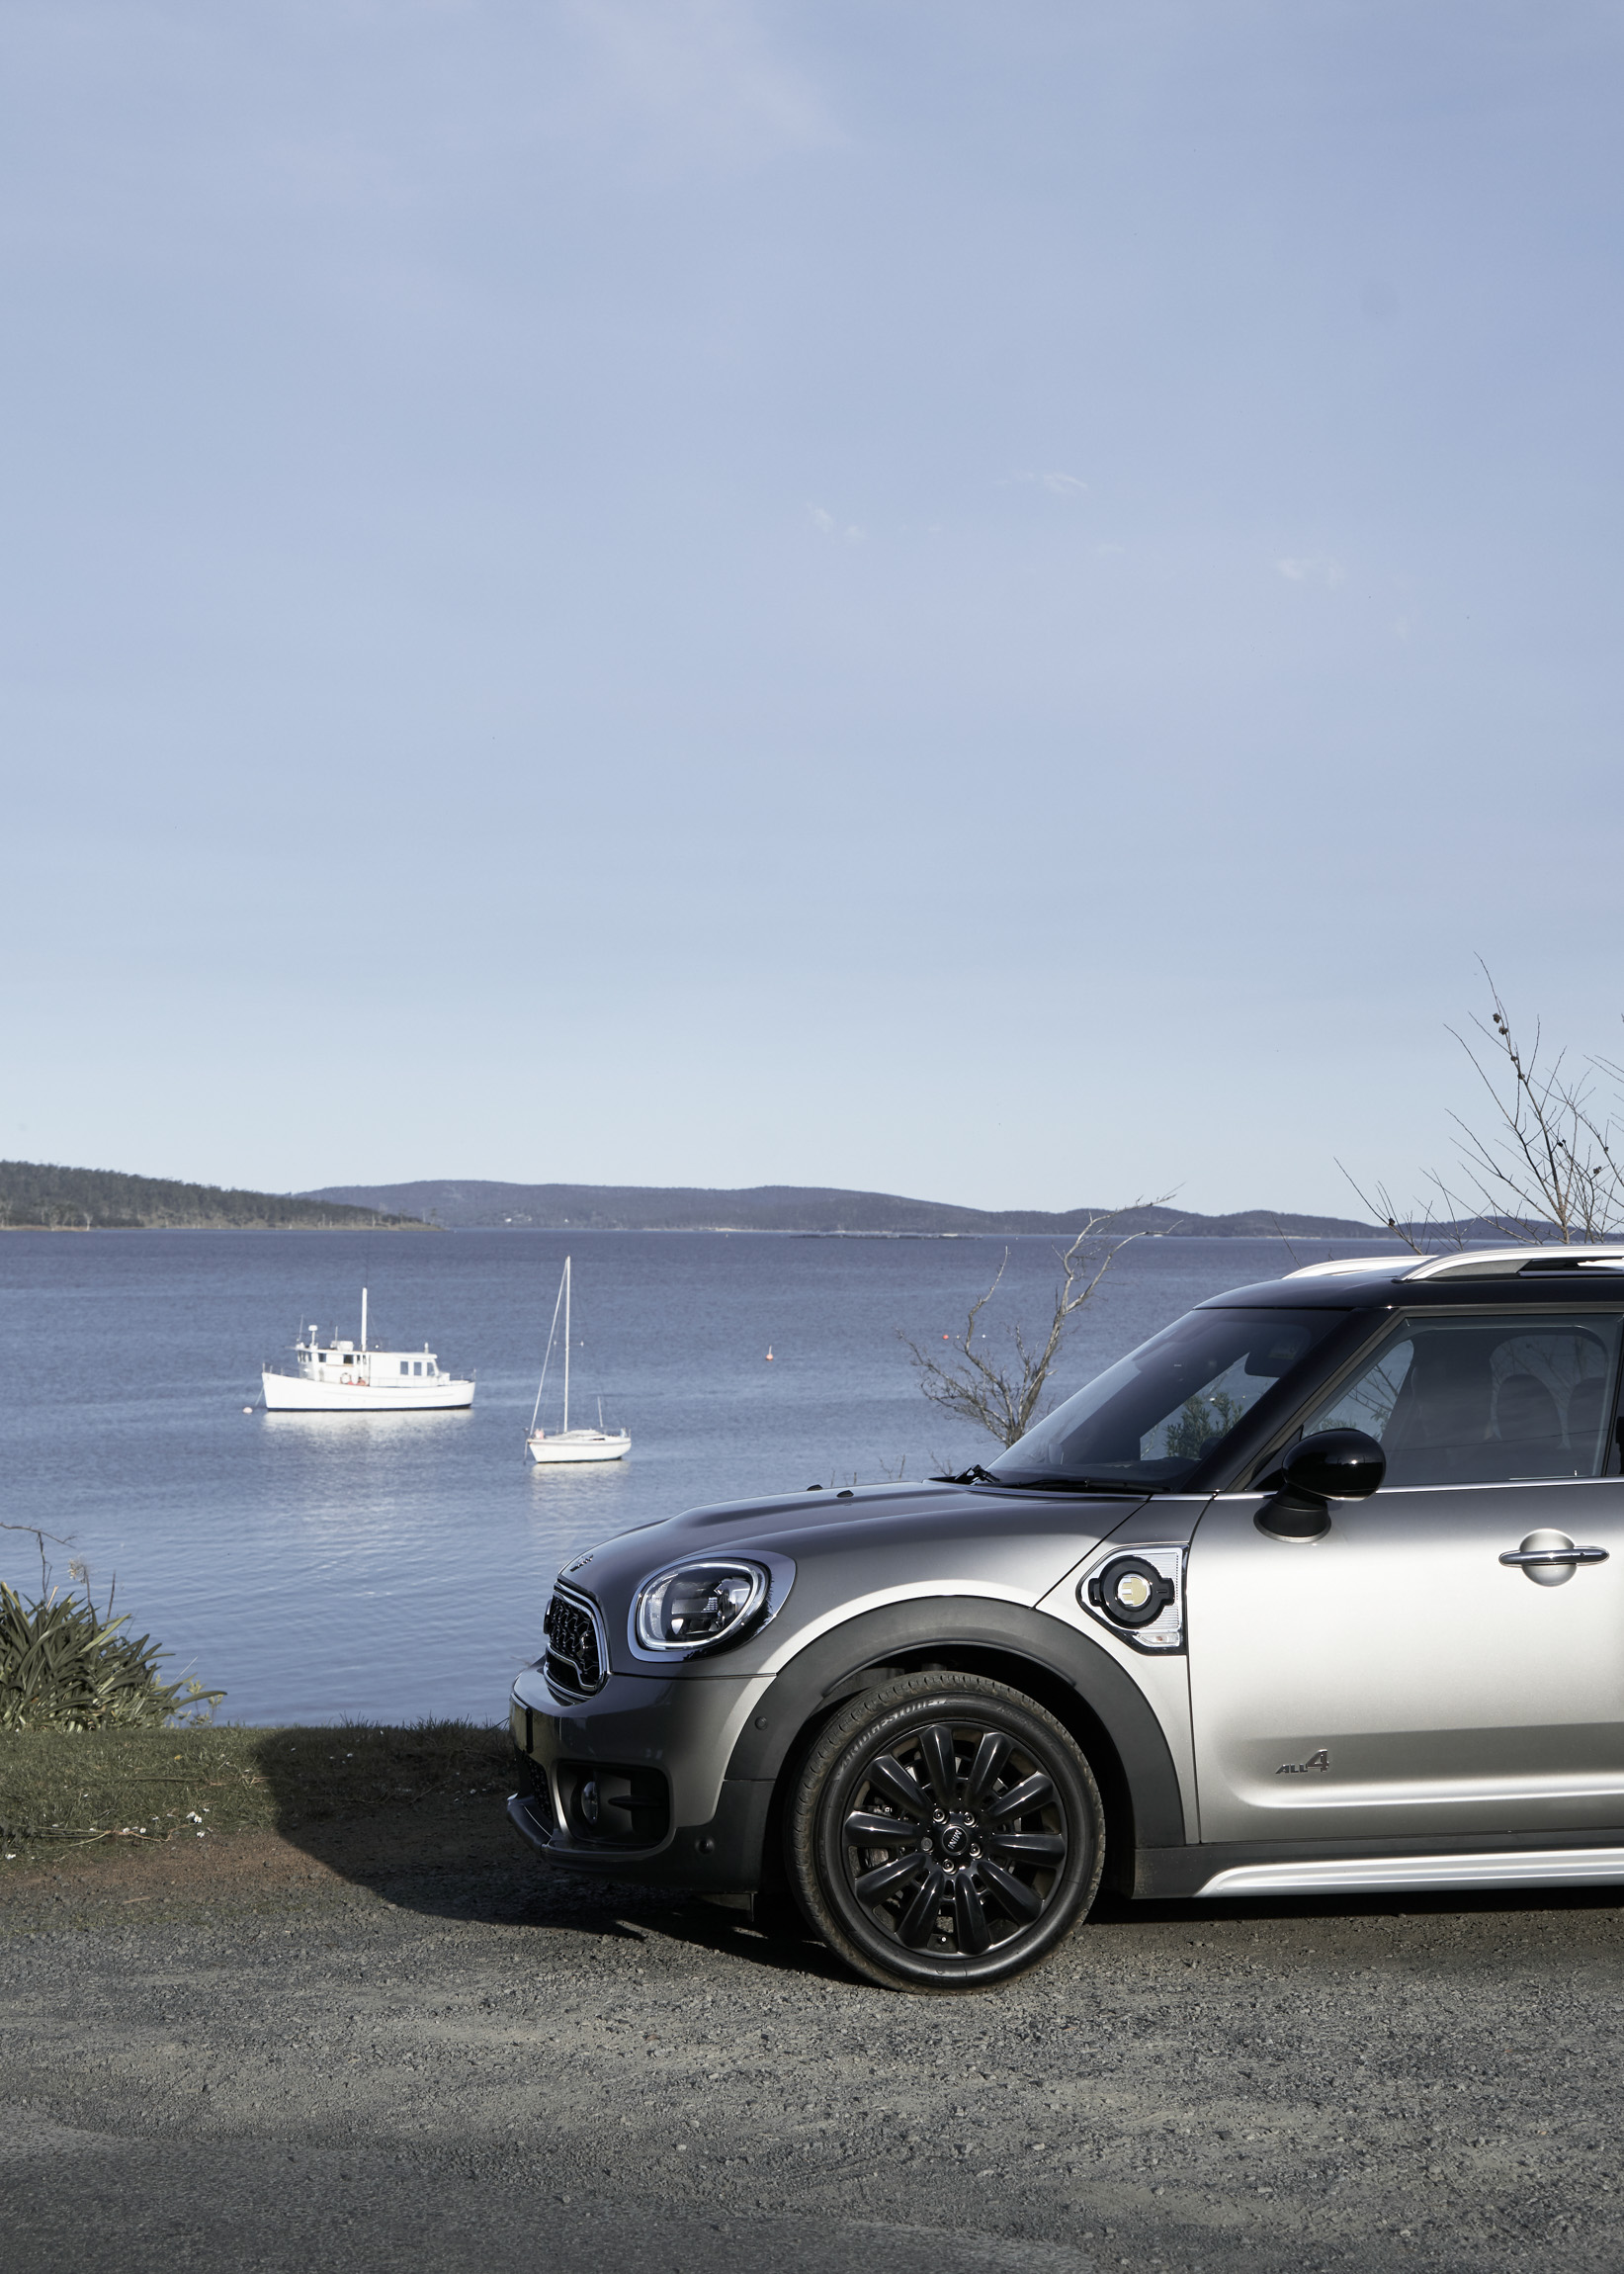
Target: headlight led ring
x=698 y=1605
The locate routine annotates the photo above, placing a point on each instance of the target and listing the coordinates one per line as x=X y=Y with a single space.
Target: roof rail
x=1342 y=1267
x=1510 y=1263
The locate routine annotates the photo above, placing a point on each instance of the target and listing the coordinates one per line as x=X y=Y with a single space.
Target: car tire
x=945 y=1833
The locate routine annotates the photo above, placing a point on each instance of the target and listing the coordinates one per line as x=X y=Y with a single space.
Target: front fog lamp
x=699 y=1605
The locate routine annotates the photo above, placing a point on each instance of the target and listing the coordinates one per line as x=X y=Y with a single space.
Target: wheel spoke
x=898 y=1784
x=877 y=1831
x=969 y=1917
x=900 y=1869
x=1020 y=1799
x=1029 y=1847
x=1018 y=1900
x=941 y=1763
x=919 y=1920
x=990 y=1755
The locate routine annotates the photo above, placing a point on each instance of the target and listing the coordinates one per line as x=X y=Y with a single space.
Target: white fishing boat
x=330 y=1373
x=566 y=1444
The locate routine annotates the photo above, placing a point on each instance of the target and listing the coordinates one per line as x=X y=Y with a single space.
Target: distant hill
x=787 y=1208
x=37 y=1193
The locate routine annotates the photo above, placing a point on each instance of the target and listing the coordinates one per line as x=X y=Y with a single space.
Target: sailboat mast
x=363 y=1318
x=547 y=1354
x=566 y=1345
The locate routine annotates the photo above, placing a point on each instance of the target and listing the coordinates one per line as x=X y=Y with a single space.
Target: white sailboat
x=330 y=1373
x=566 y=1444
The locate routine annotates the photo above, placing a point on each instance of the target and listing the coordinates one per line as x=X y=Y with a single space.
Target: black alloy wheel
x=945 y=1833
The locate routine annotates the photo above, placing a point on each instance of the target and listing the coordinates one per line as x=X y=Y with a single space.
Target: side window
x=1485 y=1400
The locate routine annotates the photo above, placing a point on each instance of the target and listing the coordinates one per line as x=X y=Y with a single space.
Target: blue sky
x=988 y=601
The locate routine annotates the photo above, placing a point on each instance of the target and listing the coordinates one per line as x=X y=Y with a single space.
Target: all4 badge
x=1320 y=1761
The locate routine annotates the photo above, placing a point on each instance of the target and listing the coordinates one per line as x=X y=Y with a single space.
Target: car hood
x=881 y=1542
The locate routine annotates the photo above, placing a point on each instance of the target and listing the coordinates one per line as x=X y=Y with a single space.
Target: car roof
x=1497 y=1275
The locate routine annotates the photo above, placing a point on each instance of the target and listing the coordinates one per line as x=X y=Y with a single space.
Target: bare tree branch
x=38 y=1537
x=1547 y=1165
x=1003 y=1390
x=1380 y=1202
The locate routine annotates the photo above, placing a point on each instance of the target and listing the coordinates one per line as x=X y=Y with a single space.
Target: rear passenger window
x=1490 y=1400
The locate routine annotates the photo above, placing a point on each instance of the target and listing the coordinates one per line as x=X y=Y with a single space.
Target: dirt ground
x=403 y=2044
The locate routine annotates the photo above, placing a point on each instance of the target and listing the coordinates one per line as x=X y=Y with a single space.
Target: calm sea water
x=387 y=1566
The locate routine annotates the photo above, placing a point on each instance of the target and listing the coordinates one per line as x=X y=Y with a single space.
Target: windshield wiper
x=1072 y=1484
x=976 y=1474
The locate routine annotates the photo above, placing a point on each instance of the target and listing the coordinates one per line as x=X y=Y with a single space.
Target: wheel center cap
x=955 y=1840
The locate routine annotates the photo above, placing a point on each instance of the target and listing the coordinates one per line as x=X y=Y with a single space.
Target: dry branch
x=1545 y=1167
x=1005 y=1392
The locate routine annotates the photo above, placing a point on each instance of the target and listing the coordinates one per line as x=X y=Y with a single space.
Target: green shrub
x=64 y=1664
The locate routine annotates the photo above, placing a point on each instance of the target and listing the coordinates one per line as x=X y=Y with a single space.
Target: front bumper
x=630 y=1784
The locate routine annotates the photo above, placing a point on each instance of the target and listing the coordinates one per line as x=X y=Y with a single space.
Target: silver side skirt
x=1371 y=1875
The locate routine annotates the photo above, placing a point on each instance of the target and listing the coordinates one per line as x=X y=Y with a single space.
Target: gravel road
x=260 y=2056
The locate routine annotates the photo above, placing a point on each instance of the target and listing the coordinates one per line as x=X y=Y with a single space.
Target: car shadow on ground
x=451 y=1854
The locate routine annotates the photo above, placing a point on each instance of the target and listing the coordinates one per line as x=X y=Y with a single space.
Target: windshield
x=1169 y=1403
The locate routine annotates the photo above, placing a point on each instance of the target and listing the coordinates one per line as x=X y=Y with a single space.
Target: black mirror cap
x=1336 y=1465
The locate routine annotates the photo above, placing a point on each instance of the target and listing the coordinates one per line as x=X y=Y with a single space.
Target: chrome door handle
x=1555 y=1555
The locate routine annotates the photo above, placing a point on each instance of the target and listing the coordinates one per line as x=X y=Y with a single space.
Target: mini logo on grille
x=1320 y=1761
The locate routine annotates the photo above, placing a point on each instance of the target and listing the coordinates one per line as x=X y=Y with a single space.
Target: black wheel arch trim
x=831 y=1669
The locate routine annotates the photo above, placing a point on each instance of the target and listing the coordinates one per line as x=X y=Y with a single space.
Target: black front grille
x=574 y=1660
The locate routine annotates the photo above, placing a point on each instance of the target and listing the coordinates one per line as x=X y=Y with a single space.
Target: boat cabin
x=344 y=1362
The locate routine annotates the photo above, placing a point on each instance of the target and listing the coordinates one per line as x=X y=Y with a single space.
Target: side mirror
x=1336 y=1465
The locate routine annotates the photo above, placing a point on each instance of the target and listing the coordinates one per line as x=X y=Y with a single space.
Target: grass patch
x=144 y=1786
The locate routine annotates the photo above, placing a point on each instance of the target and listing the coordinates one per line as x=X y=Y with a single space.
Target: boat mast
x=547 y=1354
x=566 y=1345
x=363 y=1318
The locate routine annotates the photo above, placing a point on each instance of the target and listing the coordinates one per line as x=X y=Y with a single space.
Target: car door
x=1397 y=1678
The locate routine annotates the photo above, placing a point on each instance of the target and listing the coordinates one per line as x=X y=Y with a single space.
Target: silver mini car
x=1316 y=1590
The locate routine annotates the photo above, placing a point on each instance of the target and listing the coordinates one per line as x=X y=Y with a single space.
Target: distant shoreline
x=1373 y=1238
x=315 y=1224
x=42 y=1197
x=832 y=1211
x=45 y=1197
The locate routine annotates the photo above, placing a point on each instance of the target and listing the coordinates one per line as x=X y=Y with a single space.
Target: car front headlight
x=697 y=1605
